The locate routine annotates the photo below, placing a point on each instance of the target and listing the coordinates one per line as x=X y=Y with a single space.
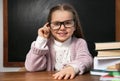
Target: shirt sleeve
x=40 y=42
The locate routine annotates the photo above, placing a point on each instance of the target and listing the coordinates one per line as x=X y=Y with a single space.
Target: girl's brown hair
x=67 y=7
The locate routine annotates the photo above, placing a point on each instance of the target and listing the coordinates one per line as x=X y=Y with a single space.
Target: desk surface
x=41 y=76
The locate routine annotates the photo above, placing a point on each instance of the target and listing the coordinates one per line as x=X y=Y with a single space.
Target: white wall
x=1 y=42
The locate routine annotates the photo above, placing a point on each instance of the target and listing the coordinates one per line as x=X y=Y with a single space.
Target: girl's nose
x=62 y=26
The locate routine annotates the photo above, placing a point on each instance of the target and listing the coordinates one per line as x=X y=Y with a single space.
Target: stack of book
x=108 y=58
x=108 y=49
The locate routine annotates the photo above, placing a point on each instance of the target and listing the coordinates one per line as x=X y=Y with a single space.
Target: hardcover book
x=103 y=63
x=107 y=46
x=109 y=78
x=108 y=53
x=98 y=72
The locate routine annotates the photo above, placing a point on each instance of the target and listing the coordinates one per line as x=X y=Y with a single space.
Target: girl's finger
x=60 y=76
x=67 y=76
x=72 y=76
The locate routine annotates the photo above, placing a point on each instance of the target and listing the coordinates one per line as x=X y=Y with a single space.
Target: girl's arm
x=83 y=59
x=36 y=57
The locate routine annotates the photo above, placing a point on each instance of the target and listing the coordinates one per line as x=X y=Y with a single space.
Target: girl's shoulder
x=78 y=43
x=78 y=40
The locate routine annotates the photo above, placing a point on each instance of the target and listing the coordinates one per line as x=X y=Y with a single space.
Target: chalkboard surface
x=26 y=16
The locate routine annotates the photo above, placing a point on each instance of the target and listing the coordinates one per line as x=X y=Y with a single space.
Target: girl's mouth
x=62 y=34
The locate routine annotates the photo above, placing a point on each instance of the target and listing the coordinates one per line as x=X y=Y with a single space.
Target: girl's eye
x=67 y=22
x=56 y=23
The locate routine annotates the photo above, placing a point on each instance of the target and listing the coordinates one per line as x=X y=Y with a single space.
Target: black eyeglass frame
x=62 y=23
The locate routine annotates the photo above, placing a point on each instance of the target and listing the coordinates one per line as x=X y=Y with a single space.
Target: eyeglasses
x=56 y=25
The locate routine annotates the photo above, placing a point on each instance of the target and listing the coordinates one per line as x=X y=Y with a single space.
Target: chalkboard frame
x=6 y=63
x=5 y=21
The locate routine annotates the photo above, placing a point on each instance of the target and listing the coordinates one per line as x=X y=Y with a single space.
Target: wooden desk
x=41 y=76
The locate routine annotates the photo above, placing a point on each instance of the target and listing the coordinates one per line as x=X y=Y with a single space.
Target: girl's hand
x=66 y=73
x=44 y=31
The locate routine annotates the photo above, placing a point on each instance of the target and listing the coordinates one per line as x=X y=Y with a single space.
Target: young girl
x=60 y=45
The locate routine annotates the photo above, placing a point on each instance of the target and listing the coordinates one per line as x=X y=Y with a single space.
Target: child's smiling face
x=63 y=33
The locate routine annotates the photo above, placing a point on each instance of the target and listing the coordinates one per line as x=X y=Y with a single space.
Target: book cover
x=107 y=45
